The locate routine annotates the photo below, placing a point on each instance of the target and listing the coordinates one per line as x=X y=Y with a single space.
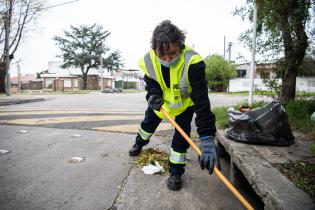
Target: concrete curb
x=6 y=102
x=276 y=191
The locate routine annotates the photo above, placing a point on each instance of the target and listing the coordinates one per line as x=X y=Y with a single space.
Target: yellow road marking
x=131 y=128
x=39 y=121
x=45 y=112
x=40 y=109
x=41 y=112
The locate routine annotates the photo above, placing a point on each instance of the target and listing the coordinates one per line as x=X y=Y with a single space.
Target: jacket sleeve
x=205 y=119
x=152 y=87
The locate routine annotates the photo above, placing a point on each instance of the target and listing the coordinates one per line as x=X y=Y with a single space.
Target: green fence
x=126 y=85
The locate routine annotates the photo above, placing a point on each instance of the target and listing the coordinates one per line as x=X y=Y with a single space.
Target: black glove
x=155 y=102
x=209 y=154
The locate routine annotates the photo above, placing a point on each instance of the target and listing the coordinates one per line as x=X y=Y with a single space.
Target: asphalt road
x=132 y=102
x=94 y=111
x=42 y=137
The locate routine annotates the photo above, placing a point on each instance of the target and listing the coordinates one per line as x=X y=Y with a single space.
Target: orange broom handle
x=216 y=171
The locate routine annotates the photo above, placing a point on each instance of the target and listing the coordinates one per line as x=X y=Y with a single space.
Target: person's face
x=171 y=54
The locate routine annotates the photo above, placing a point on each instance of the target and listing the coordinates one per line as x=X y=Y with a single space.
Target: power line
x=69 y=2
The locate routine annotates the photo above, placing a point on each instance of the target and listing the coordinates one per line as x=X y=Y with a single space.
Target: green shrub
x=221 y=118
x=312 y=148
x=299 y=112
x=304 y=94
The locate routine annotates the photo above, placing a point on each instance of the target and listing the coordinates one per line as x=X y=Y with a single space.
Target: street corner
x=143 y=191
x=12 y=100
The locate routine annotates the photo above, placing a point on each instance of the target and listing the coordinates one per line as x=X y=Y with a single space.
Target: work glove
x=209 y=155
x=155 y=102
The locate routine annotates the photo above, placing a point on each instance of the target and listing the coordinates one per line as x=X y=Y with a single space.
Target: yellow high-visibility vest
x=176 y=97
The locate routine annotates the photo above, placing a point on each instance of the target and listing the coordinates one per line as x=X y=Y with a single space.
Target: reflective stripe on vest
x=183 y=79
x=144 y=135
x=177 y=158
x=149 y=66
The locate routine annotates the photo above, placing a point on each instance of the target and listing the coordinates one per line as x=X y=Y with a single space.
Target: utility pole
x=224 y=48
x=7 y=15
x=102 y=81
x=252 y=64
x=230 y=49
x=122 y=84
x=127 y=79
x=19 y=76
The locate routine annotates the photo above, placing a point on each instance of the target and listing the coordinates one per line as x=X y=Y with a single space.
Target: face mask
x=169 y=64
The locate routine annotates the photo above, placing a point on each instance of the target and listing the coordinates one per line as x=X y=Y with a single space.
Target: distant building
x=129 y=78
x=124 y=78
x=27 y=82
x=55 y=72
x=242 y=80
x=70 y=82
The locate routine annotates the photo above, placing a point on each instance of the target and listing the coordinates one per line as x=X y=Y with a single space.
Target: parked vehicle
x=114 y=90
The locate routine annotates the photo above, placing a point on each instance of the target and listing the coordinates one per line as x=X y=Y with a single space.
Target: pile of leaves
x=301 y=173
x=149 y=156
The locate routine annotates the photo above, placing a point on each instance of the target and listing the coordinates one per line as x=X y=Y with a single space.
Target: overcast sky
x=131 y=23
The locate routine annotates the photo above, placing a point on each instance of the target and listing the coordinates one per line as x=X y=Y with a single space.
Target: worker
x=175 y=80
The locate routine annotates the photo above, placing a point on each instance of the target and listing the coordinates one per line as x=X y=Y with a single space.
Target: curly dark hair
x=166 y=33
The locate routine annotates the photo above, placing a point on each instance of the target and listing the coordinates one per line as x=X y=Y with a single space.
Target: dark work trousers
x=179 y=144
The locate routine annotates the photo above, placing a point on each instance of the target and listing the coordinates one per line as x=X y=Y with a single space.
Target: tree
x=17 y=17
x=281 y=32
x=42 y=72
x=307 y=68
x=218 y=72
x=83 y=46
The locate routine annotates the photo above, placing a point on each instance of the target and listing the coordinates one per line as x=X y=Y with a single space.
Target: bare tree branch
x=20 y=25
x=19 y=32
x=23 y=13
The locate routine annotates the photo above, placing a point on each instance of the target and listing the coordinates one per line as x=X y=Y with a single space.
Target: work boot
x=174 y=182
x=135 y=150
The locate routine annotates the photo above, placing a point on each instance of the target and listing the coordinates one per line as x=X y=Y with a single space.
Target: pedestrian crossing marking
x=131 y=128
x=47 y=112
x=51 y=120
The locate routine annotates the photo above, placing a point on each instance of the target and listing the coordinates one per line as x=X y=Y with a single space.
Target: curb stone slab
x=276 y=191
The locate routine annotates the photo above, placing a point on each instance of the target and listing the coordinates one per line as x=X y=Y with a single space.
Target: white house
x=242 y=81
x=131 y=77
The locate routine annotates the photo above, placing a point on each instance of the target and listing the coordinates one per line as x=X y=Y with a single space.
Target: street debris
x=76 y=160
x=76 y=135
x=3 y=152
x=313 y=116
x=156 y=158
x=104 y=154
x=152 y=169
x=23 y=131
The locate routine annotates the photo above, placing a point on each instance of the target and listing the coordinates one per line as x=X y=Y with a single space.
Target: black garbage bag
x=267 y=125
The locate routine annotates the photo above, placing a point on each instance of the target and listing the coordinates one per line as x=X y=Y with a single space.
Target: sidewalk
x=36 y=174
x=257 y=164
x=19 y=99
